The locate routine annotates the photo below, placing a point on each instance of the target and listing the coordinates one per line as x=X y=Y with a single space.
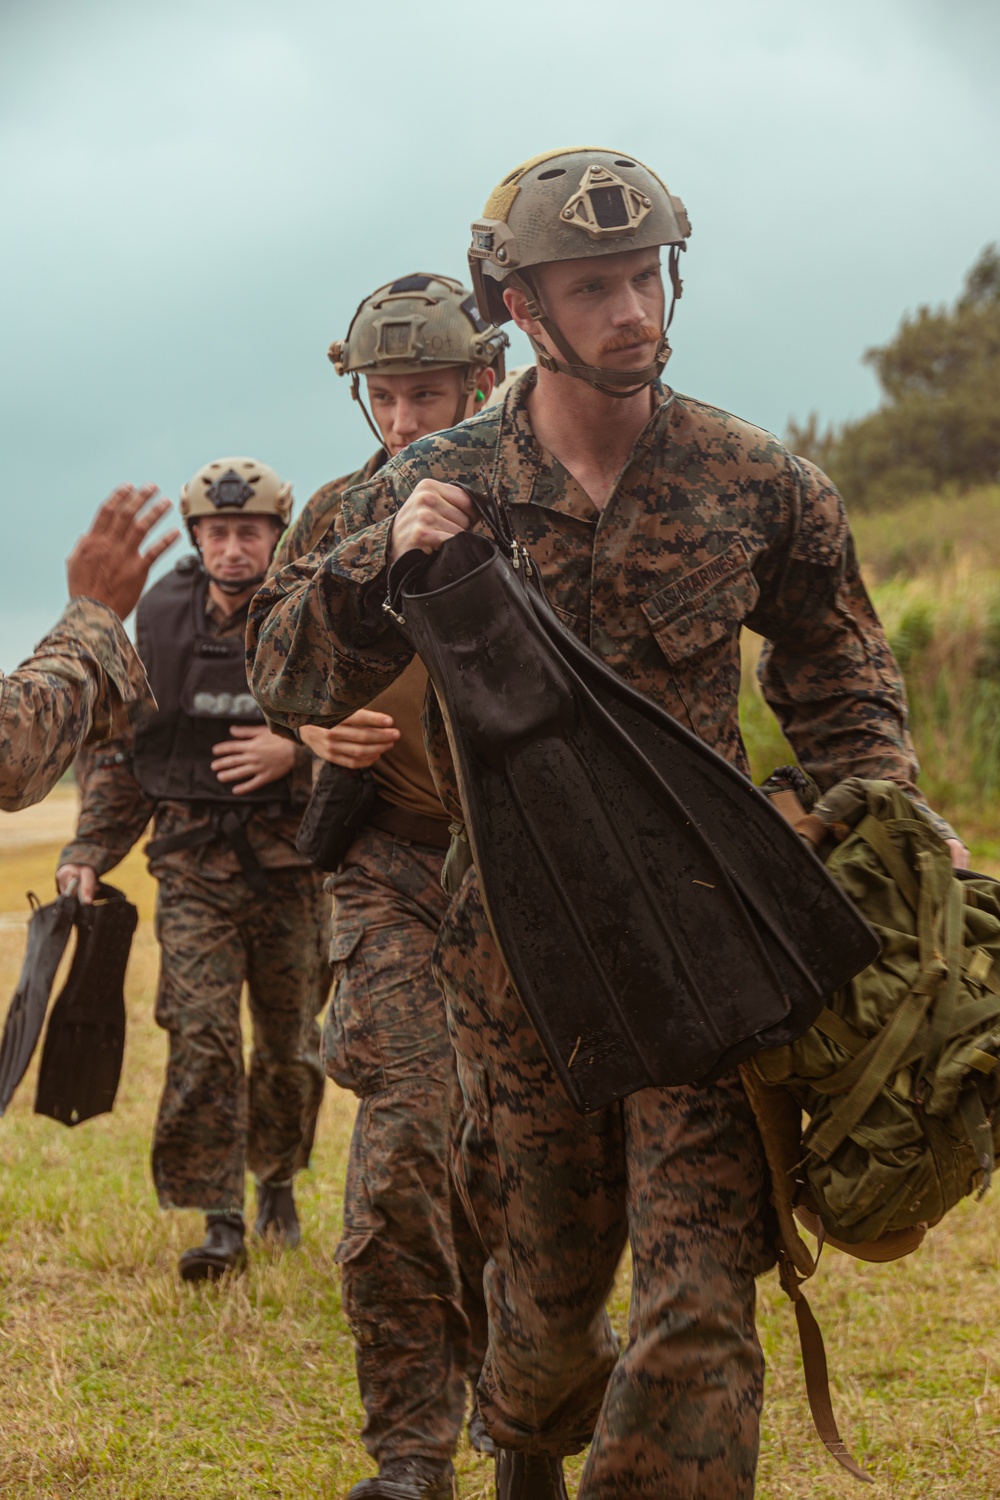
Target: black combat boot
x=276 y=1217
x=221 y=1251
x=528 y=1476
x=408 y=1479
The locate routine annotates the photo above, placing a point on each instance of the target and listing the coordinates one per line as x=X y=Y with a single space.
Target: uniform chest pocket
x=705 y=607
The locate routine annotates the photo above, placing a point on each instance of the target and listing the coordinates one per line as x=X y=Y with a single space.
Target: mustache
x=627 y=338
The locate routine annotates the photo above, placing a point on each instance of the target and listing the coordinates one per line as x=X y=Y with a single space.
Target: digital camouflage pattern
x=319 y=512
x=83 y=684
x=215 y=933
x=556 y=1196
x=412 y=1269
x=712 y=525
x=215 y=1121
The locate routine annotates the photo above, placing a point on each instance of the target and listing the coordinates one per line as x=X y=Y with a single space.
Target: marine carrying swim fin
x=85 y=1041
x=48 y=934
x=617 y=855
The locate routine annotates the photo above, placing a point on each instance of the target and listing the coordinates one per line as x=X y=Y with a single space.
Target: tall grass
x=933 y=569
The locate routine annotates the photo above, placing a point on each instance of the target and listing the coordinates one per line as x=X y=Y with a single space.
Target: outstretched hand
x=433 y=513
x=106 y=563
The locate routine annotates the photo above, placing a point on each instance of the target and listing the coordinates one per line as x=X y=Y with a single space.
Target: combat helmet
x=412 y=324
x=235 y=487
x=569 y=205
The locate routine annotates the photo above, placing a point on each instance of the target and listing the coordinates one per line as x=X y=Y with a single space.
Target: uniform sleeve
x=83 y=684
x=827 y=670
x=114 y=810
x=319 y=644
x=307 y=530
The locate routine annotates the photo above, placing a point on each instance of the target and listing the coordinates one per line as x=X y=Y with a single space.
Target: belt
x=224 y=822
x=414 y=828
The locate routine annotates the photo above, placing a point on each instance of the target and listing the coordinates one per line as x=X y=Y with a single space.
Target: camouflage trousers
x=678 y=1174
x=411 y=1267
x=214 y=1120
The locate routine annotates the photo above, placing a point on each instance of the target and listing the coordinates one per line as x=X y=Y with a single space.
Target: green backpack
x=879 y=1119
x=899 y=1076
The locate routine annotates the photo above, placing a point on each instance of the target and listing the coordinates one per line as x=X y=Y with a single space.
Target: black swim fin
x=630 y=943
x=85 y=1041
x=48 y=934
x=811 y=929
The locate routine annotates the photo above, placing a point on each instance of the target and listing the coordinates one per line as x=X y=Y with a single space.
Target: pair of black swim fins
x=81 y=1060
x=659 y=918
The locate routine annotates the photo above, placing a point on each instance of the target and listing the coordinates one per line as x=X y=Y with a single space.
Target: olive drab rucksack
x=884 y=1114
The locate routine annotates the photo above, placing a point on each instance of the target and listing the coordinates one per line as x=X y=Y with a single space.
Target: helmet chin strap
x=356 y=394
x=470 y=377
x=620 y=384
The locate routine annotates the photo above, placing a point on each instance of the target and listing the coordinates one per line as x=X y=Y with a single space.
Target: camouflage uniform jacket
x=114 y=811
x=319 y=512
x=712 y=525
x=83 y=684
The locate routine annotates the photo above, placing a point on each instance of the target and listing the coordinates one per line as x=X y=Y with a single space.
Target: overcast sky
x=196 y=196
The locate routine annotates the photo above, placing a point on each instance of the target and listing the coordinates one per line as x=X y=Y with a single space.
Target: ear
x=516 y=304
x=485 y=381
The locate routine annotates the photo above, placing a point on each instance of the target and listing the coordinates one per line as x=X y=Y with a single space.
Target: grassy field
x=117 y=1381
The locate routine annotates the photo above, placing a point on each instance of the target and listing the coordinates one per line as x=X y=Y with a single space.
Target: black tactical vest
x=199 y=681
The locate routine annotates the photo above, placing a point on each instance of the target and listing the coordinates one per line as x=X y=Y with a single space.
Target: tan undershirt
x=402 y=775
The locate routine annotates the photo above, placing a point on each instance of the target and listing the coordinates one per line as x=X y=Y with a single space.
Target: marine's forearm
x=114 y=812
x=83 y=683
x=44 y=719
x=319 y=645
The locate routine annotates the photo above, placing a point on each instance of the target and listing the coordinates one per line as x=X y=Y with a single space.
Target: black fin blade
x=815 y=935
x=48 y=934
x=613 y=910
x=85 y=1041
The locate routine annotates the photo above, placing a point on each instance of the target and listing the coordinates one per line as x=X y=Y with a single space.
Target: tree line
x=938 y=423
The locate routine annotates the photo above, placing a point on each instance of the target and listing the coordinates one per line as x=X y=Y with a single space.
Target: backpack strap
x=980 y=1133
x=939 y=933
x=946 y=1008
x=880 y=1061
x=877 y=838
x=817 y=1376
x=779 y=1121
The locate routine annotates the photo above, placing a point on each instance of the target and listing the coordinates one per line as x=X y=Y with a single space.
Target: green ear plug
x=480 y=395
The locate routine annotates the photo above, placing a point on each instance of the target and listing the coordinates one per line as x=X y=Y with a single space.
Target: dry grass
x=118 y=1383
